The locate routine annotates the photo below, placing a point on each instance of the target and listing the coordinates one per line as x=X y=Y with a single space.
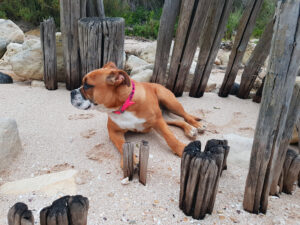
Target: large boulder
x=143 y=76
x=134 y=62
x=10 y=144
x=223 y=56
x=28 y=63
x=3 y=45
x=148 y=54
x=11 y=32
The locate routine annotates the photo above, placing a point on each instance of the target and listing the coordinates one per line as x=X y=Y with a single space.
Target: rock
x=28 y=63
x=134 y=62
x=218 y=61
x=135 y=47
x=125 y=181
x=49 y=184
x=211 y=87
x=3 y=45
x=5 y=79
x=223 y=56
x=10 y=143
x=144 y=76
x=148 y=54
x=11 y=32
x=141 y=68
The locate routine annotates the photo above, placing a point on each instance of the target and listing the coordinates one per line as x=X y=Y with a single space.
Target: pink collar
x=128 y=101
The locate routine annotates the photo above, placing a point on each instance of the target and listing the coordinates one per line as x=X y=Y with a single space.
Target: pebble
x=125 y=181
x=221 y=217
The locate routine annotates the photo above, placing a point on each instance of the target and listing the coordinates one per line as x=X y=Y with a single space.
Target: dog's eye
x=87 y=86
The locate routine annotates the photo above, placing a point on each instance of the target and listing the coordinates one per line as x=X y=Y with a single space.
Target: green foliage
x=33 y=11
x=233 y=22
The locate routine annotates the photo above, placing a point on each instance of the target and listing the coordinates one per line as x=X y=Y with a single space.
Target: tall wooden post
x=277 y=94
x=48 y=41
x=244 y=32
x=100 y=41
x=213 y=34
x=256 y=61
x=293 y=114
x=95 y=8
x=164 y=41
x=70 y=12
x=192 y=19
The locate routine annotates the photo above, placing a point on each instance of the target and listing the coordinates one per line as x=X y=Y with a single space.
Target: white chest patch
x=128 y=121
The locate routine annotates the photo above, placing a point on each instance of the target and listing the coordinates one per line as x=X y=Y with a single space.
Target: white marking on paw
x=193 y=132
x=128 y=121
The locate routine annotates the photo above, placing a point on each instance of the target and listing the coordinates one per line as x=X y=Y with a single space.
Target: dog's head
x=99 y=87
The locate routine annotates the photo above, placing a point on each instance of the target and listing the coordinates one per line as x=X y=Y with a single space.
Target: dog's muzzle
x=79 y=101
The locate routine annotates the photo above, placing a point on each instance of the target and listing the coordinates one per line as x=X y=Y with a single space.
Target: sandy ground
x=56 y=136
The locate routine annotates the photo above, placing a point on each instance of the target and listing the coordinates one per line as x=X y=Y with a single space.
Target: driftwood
x=143 y=162
x=191 y=22
x=128 y=167
x=128 y=161
x=244 y=32
x=164 y=41
x=68 y=210
x=277 y=95
x=95 y=8
x=294 y=112
x=290 y=172
x=70 y=12
x=199 y=180
x=213 y=34
x=48 y=42
x=20 y=215
x=100 y=41
x=256 y=61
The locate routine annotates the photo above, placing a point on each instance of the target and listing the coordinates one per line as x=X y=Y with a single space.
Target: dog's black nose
x=73 y=93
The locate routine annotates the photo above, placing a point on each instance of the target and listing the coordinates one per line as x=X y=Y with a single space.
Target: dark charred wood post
x=143 y=162
x=290 y=172
x=100 y=41
x=67 y=210
x=277 y=94
x=70 y=12
x=164 y=41
x=128 y=167
x=95 y=8
x=256 y=61
x=244 y=32
x=192 y=19
x=48 y=42
x=19 y=214
x=294 y=112
x=258 y=94
x=213 y=34
x=199 y=180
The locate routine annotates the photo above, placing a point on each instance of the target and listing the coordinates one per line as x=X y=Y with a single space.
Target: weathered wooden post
x=244 y=32
x=95 y=8
x=213 y=34
x=277 y=94
x=143 y=162
x=294 y=112
x=100 y=41
x=256 y=61
x=67 y=210
x=192 y=19
x=19 y=214
x=70 y=12
x=48 y=42
x=164 y=41
x=128 y=167
x=199 y=179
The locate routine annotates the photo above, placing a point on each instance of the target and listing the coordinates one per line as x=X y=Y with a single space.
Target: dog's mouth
x=79 y=101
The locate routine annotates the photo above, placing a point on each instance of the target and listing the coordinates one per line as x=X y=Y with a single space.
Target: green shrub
x=33 y=11
x=233 y=22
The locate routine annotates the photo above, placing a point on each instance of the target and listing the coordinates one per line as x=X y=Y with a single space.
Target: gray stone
x=10 y=144
x=135 y=62
x=144 y=76
x=141 y=68
x=10 y=32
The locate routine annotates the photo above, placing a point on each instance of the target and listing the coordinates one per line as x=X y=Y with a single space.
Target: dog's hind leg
x=162 y=128
x=189 y=131
x=168 y=99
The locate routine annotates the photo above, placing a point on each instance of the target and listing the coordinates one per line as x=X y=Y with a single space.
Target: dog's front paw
x=191 y=133
x=20 y=215
x=66 y=210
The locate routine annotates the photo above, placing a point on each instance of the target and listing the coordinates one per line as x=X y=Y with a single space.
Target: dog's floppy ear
x=117 y=78
x=110 y=65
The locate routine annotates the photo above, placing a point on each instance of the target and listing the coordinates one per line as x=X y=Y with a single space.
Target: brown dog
x=132 y=106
